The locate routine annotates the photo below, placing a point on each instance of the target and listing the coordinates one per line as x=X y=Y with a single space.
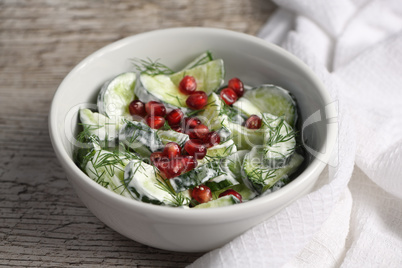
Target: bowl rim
x=230 y=212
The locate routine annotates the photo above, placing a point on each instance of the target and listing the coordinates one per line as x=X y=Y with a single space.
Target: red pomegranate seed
x=231 y=192
x=197 y=100
x=155 y=108
x=228 y=96
x=137 y=107
x=212 y=139
x=195 y=148
x=191 y=133
x=187 y=85
x=162 y=164
x=189 y=163
x=174 y=117
x=177 y=129
x=253 y=122
x=201 y=194
x=191 y=122
x=155 y=122
x=237 y=85
x=172 y=150
x=201 y=131
x=175 y=168
x=156 y=155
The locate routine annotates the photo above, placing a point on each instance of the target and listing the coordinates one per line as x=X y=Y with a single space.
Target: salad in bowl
x=189 y=138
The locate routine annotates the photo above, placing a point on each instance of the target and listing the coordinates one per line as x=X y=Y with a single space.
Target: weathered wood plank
x=42 y=221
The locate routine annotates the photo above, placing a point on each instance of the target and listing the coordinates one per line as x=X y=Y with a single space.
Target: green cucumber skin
x=141 y=138
x=197 y=176
x=101 y=96
x=216 y=186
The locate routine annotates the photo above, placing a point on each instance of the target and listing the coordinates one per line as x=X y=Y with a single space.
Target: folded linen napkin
x=353 y=218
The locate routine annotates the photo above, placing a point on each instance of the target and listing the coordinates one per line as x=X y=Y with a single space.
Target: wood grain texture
x=42 y=221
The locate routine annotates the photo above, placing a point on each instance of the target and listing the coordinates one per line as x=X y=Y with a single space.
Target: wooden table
x=42 y=221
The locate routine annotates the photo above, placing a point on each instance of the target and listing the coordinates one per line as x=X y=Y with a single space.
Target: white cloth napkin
x=354 y=217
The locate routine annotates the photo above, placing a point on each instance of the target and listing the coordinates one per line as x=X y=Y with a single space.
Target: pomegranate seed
x=237 y=85
x=228 y=96
x=231 y=192
x=253 y=122
x=162 y=164
x=195 y=148
x=197 y=100
x=174 y=117
x=201 y=194
x=155 y=108
x=155 y=122
x=191 y=133
x=212 y=139
x=156 y=155
x=191 y=122
x=201 y=131
x=175 y=168
x=137 y=107
x=177 y=129
x=187 y=85
x=189 y=163
x=172 y=150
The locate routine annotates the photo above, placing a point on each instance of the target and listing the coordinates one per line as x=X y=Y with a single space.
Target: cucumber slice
x=215 y=118
x=106 y=129
x=146 y=185
x=116 y=95
x=246 y=107
x=279 y=142
x=146 y=96
x=260 y=178
x=141 y=138
x=107 y=169
x=162 y=87
x=200 y=175
x=221 y=150
x=234 y=162
x=209 y=76
x=172 y=136
x=245 y=138
x=221 y=182
x=223 y=201
x=212 y=116
x=201 y=59
x=274 y=100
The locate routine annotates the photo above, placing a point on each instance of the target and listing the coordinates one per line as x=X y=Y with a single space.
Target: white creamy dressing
x=144 y=180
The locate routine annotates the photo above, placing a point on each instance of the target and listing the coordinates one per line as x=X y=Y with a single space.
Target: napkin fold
x=353 y=218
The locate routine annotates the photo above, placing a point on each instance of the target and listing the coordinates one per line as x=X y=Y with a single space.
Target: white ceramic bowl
x=249 y=58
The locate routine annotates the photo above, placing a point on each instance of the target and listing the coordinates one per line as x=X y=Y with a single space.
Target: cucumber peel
x=116 y=95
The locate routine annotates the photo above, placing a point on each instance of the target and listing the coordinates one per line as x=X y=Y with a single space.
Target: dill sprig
x=151 y=67
x=86 y=134
x=260 y=175
x=177 y=199
x=195 y=112
x=276 y=136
